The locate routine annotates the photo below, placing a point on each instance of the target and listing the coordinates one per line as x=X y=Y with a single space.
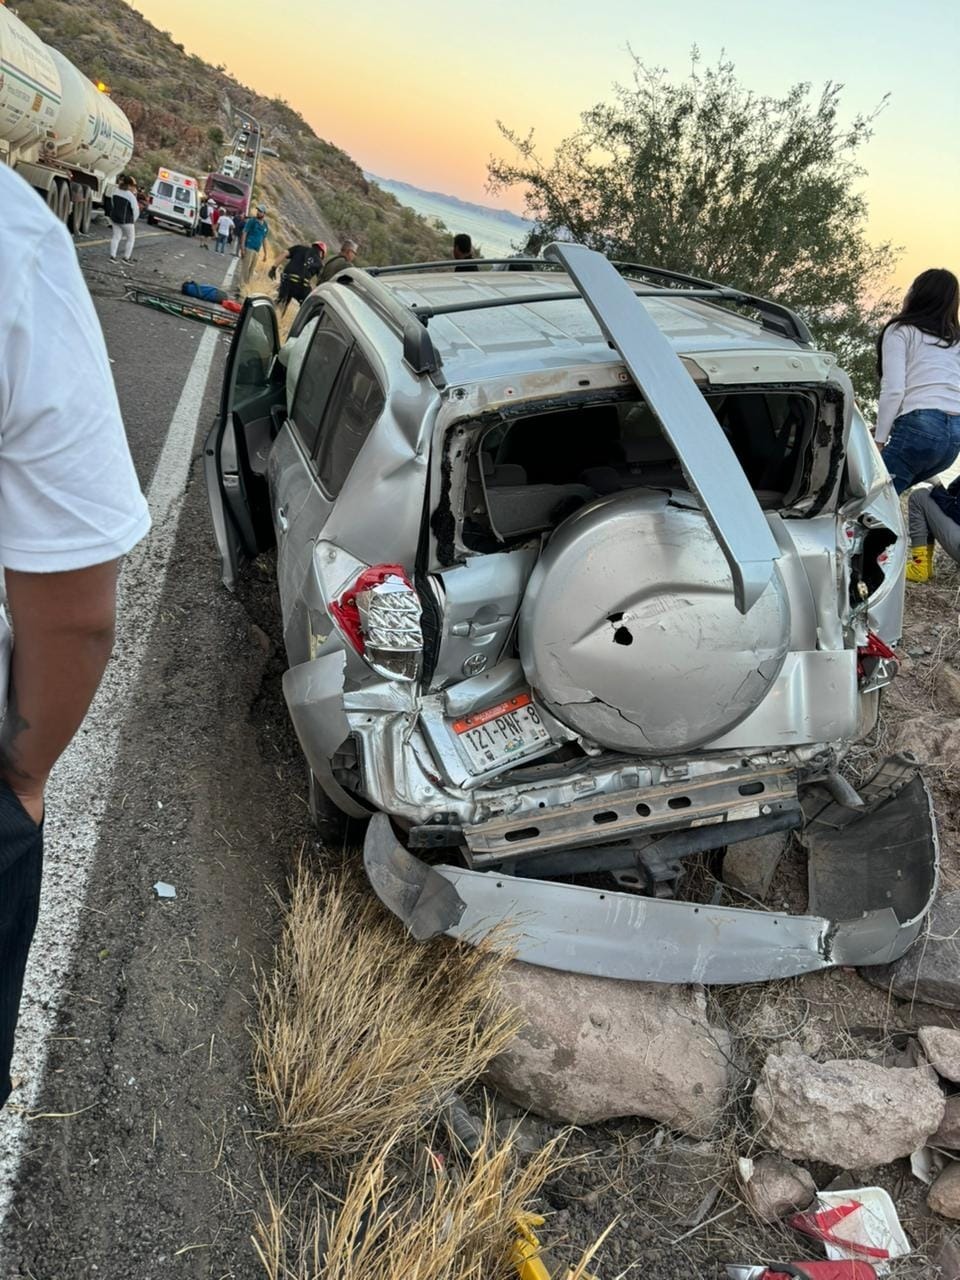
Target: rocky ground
x=680 y=1201
x=746 y=1100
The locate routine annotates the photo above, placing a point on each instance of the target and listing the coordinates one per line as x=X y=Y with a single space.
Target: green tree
x=215 y=134
x=706 y=177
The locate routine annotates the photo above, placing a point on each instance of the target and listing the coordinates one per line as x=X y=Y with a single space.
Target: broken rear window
x=528 y=473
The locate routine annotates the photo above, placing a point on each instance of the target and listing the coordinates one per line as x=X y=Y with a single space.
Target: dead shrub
x=459 y=1224
x=362 y=1032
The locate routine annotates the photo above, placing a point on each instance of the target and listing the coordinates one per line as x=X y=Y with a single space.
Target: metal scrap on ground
x=176 y=305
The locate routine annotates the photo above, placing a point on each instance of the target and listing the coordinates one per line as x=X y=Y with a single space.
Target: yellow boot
x=920 y=564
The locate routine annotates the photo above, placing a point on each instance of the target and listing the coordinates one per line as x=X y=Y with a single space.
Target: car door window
x=165 y=190
x=316 y=380
x=254 y=355
x=358 y=405
x=183 y=195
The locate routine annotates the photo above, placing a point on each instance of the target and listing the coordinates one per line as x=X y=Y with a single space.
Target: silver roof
x=550 y=334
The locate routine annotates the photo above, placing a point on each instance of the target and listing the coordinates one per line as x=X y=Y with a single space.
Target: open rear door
x=709 y=463
x=236 y=451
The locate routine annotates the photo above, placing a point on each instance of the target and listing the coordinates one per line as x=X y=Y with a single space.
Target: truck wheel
x=64 y=202
x=79 y=219
x=52 y=198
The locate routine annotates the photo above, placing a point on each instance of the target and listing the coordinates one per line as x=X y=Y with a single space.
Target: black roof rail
x=451 y=264
x=427 y=312
x=774 y=315
x=419 y=353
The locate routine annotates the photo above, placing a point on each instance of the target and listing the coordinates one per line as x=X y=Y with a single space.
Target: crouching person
x=934 y=516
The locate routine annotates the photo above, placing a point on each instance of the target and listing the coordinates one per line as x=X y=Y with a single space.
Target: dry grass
x=362 y=1033
x=453 y=1223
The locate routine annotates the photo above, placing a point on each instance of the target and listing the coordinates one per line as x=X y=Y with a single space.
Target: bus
x=232 y=194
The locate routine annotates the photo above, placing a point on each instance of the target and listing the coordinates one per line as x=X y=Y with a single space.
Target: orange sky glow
x=415 y=93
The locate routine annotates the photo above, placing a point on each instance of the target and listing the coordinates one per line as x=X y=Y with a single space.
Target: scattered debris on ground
x=709 y=1121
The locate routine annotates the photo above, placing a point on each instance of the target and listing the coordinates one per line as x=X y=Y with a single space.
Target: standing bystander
x=340 y=261
x=918 y=360
x=205 y=225
x=463 y=252
x=253 y=242
x=123 y=212
x=70 y=507
x=224 y=230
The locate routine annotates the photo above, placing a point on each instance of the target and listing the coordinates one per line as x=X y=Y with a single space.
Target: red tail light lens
x=380 y=616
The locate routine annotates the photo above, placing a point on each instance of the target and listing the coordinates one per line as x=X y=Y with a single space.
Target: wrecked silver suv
x=586 y=569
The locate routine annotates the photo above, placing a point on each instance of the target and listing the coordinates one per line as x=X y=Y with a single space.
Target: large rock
x=850 y=1113
x=942 y=1047
x=930 y=971
x=944 y=1195
x=946 y=1261
x=750 y=865
x=933 y=740
x=948 y=1135
x=596 y=1048
x=774 y=1187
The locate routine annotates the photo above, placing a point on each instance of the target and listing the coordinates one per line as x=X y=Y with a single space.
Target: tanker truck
x=60 y=133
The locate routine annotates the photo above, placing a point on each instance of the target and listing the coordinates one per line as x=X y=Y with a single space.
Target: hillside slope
x=182 y=110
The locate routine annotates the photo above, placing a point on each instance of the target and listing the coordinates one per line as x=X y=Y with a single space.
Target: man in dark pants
x=299 y=269
x=70 y=506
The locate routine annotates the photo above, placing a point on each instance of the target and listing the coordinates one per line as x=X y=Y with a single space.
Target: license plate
x=178 y=208
x=508 y=731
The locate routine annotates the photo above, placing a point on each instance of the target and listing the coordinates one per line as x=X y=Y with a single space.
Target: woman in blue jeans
x=918 y=359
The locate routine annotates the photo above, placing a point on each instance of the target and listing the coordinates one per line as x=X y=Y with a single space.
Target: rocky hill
x=183 y=110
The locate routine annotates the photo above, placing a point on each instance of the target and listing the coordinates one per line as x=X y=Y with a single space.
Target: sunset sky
x=414 y=91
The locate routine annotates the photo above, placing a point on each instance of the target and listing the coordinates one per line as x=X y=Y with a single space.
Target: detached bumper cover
x=873 y=873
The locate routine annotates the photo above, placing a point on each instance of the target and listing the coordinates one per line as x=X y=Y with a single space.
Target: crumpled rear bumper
x=873 y=876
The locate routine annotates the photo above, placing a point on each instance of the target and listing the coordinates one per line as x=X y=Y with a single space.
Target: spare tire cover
x=629 y=633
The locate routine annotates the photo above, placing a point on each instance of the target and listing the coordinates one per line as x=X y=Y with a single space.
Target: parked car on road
x=587 y=571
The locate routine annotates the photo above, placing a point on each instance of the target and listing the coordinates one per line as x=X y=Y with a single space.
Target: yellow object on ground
x=525 y=1253
x=920 y=564
x=526 y=1250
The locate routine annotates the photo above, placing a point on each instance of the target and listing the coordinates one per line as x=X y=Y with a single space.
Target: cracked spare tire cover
x=629 y=633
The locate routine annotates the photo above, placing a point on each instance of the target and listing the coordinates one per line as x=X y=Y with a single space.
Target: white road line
x=84 y=776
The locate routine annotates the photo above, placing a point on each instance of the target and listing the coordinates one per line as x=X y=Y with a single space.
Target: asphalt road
x=128 y=1149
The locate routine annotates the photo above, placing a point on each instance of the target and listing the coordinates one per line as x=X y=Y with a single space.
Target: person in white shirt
x=918 y=360
x=124 y=212
x=224 y=230
x=70 y=507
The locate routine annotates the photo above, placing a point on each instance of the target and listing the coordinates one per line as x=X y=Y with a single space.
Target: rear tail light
x=877 y=663
x=380 y=616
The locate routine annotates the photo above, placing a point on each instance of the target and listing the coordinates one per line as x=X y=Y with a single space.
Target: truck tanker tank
x=65 y=137
x=91 y=130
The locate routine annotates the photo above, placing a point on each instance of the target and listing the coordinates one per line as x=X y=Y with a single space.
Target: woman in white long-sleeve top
x=918 y=359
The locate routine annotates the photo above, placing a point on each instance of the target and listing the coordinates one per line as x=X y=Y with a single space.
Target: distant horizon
x=446 y=195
